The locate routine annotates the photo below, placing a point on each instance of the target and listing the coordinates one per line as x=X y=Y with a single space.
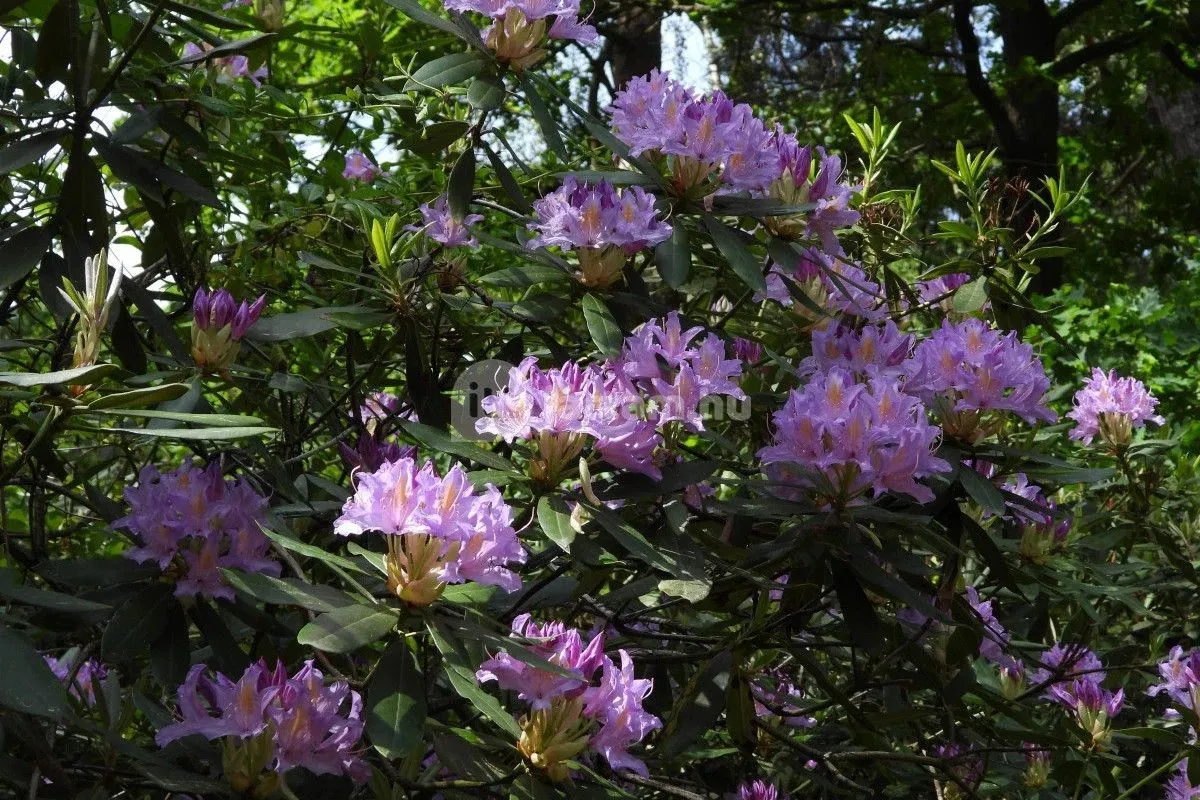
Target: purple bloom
x=874 y=351
x=300 y=717
x=1043 y=530
x=1180 y=786
x=604 y=224
x=441 y=226
x=617 y=705
x=560 y=409
x=663 y=361
x=218 y=325
x=1111 y=407
x=940 y=290
x=975 y=369
x=199 y=519
x=962 y=764
x=831 y=284
x=360 y=167
x=1067 y=662
x=757 y=790
x=554 y=642
x=1181 y=679
x=776 y=694
x=88 y=676
x=802 y=179
x=747 y=351
x=520 y=27
x=839 y=438
x=1092 y=705
x=228 y=68
x=995 y=636
x=439 y=531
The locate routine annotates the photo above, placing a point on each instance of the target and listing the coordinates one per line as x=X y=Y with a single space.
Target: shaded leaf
x=346 y=629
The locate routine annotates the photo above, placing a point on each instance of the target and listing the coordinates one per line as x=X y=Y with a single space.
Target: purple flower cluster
x=838 y=438
x=196 y=520
x=1111 y=407
x=360 y=167
x=829 y=283
x=570 y=710
x=561 y=409
x=875 y=351
x=712 y=142
x=757 y=790
x=604 y=224
x=374 y=447
x=228 y=68
x=663 y=361
x=1180 y=786
x=272 y=722
x=1066 y=663
x=940 y=291
x=969 y=368
x=995 y=635
x=1043 y=529
x=441 y=226
x=218 y=325
x=776 y=694
x=520 y=27
x=87 y=676
x=1074 y=678
x=962 y=764
x=1181 y=680
x=439 y=531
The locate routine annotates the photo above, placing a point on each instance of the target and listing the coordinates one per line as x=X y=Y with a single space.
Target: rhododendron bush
x=669 y=454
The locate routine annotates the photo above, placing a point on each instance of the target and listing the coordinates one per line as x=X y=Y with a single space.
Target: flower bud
x=218 y=325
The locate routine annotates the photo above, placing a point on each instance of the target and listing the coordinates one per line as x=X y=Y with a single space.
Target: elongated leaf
x=602 y=325
x=310 y=322
x=170 y=653
x=524 y=276
x=21 y=252
x=79 y=376
x=287 y=591
x=137 y=623
x=229 y=49
x=555 y=521
x=48 y=599
x=982 y=491
x=346 y=629
x=28 y=685
x=486 y=93
x=674 y=257
x=142 y=397
x=396 y=702
x=296 y=546
x=211 y=420
x=447 y=70
x=546 y=122
x=26 y=151
x=461 y=184
x=198 y=434
x=639 y=547
x=440 y=441
x=416 y=12
x=971 y=296
x=511 y=188
x=462 y=678
x=733 y=247
x=701 y=705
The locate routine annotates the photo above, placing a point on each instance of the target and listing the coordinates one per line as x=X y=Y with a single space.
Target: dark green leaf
x=28 y=685
x=524 y=276
x=346 y=629
x=701 y=704
x=197 y=434
x=288 y=591
x=462 y=677
x=170 y=653
x=555 y=520
x=447 y=70
x=546 y=123
x=281 y=327
x=486 y=93
x=674 y=257
x=971 y=296
x=732 y=245
x=396 y=702
x=26 y=151
x=21 y=252
x=415 y=11
x=601 y=324
x=137 y=623
x=440 y=441
x=461 y=185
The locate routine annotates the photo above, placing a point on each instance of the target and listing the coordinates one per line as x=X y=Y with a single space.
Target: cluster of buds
x=1037 y=766
x=93 y=305
x=218 y=326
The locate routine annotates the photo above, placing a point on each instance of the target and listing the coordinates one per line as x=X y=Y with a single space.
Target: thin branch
x=977 y=82
x=1072 y=13
x=1073 y=61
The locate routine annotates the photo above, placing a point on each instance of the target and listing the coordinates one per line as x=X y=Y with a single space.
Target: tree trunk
x=634 y=34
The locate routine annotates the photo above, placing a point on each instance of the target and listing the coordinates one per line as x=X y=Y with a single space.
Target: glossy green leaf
x=29 y=687
x=396 y=702
x=346 y=629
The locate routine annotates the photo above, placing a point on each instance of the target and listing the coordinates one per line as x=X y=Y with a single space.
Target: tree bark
x=634 y=34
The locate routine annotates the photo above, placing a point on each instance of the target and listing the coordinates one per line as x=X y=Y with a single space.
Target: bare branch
x=1073 y=61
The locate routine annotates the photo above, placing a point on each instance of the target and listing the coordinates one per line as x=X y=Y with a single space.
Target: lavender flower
x=775 y=694
x=874 y=351
x=829 y=283
x=1043 y=531
x=839 y=438
x=604 y=224
x=1092 y=706
x=757 y=790
x=1181 y=680
x=1066 y=662
x=1180 y=786
x=520 y=27
x=939 y=291
x=556 y=643
x=1111 y=407
x=571 y=713
x=360 y=167
x=439 y=531
x=442 y=227
x=218 y=326
x=87 y=676
x=200 y=522
x=664 y=361
x=1037 y=766
x=995 y=636
x=802 y=179
x=227 y=68
x=270 y=723
x=560 y=410
x=968 y=369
